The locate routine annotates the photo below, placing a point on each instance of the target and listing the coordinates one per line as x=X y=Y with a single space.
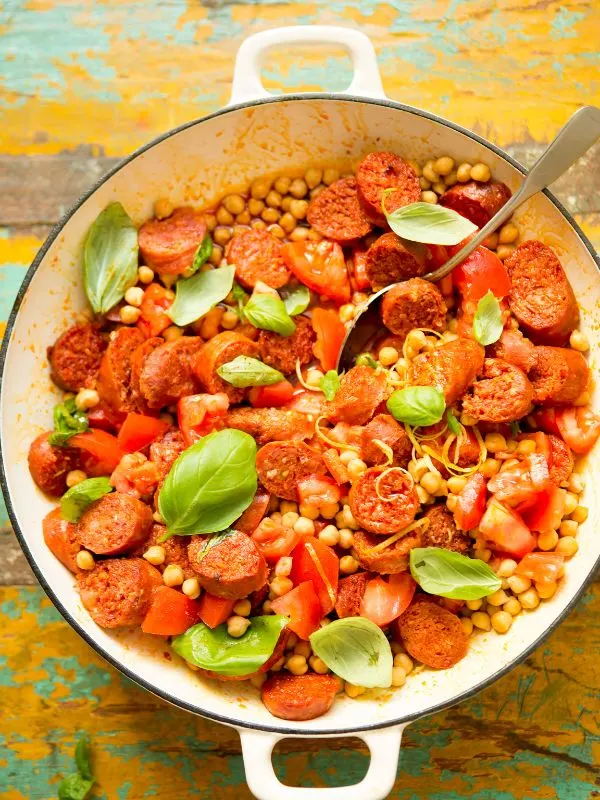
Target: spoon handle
x=571 y=142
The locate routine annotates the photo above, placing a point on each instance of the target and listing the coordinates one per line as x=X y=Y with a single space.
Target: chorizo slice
x=233 y=567
x=75 y=357
x=336 y=213
x=167 y=373
x=386 y=505
x=561 y=461
x=558 y=374
x=361 y=391
x=503 y=394
x=432 y=635
x=452 y=367
x=280 y=465
x=391 y=260
x=541 y=297
x=385 y=429
x=350 y=593
x=253 y=515
x=50 y=465
x=388 y=561
x=257 y=256
x=513 y=347
x=282 y=352
x=442 y=531
x=61 y=539
x=114 y=375
x=271 y=424
x=478 y=202
x=165 y=451
x=299 y=697
x=380 y=171
x=118 y=591
x=116 y=523
x=217 y=351
x=413 y=304
x=138 y=357
x=169 y=245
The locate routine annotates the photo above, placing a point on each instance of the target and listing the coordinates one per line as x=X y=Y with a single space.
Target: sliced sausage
x=350 y=594
x=561 y=461
x=165 y=451
x=513 y=347
x=503 y=394
x=452 y=367
x=257 y=256
x=385 y=429
x=361 y=391
x=282 y=352
x=413 y=304
x=299 y=697
x=231 y=568
x=390 y=260
x=217 y=351
x=271 y=424
x=114 y=376
x=118 y=591
x=75 y=357
x=167 y=373
x=559 y=375
x=336 y=213
x=432 y=634
x=477 y=202
x=280 y=465
x=138 y=357
x=49 y=465
x=380 y=171
x=541 y=297
x=60 y=536
x=383 y=506
x=442 y=531
x=253 y=515
x=169 y=245
x=116 y=523
x=392 y=560
x=175 y=550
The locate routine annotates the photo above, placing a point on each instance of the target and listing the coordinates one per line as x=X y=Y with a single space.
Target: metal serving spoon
x=571 y=142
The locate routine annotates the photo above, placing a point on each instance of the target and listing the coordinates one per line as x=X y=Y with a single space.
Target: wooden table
x=82 y=84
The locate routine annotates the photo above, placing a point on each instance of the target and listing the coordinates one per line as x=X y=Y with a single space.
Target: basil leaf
x=202 y=254
x=417 y=405
x=219 y=652
x=76 y=499
x=74 y=787
x=241 y=298
x=355 y=649
x=210 y=484
x=245 y=371
x=297 y=301
x=68 y=420
x=449 y=574
x=365 y=360
x=110 y=258
x=83 y=757
x=453 y=423
x=428 y=223
x=195 y=296
x=269 y=313
x=329 y=384
x=487 y=324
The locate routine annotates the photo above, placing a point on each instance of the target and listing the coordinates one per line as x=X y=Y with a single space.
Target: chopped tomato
x=321 y=266
x=522 y=482
x=303 y=607
x=504 y=529
x=359 y=272
x=541 y=567
x=471 y=503
x=268 y=396
x=384 y=601
x=437 y=256
x=153 y=320
x=138 y=431
x=545 y=418
x=170 y=613
x=314 y=561
x=330 y=332
x=579 y=427
x=199 y=414
x=275 y=541
x=542 y=444
x=213 y=611
x=479 y=273
x=546 y=512
x=103 y=448
x=105 y=417
x=318 y=489
x=138 y=480
x=253 y=515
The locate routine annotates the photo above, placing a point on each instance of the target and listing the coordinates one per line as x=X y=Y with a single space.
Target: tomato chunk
x=213 y=611
x=579 y=427
x=545 y=418
x=138 y=480
x=253 y=515
x=359 y=272
x=546 y=512
x=153 y=320
x=269 y=396
x=105 y=417
x=314 y=561
x=506 y=532
x=471 y=503
x=170 y=613
x=318 y=489
x=302 y=606
x=330 y=332
x=275 y=541
x=321 y=266
x=103 y=449
x=199 y=414
x=384 y=601
x=522 y=482
x=541 y=567
x=479 y=273
x=139 y=431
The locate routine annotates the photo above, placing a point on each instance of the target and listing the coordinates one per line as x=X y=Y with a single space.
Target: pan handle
x=247 y=84
x=384 y=746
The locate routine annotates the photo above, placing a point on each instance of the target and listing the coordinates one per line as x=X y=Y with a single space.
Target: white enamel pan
x=196 y=163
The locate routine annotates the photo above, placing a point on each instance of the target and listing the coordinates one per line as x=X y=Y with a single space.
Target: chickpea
x=444 y=165
x=498 y=598
x=224 y=217
x=567 y=546
x=348 y=565
x=313 y=177
x=86 y=399
x=283 y=567
x=129 y=315
x=480 y=172
x=221 y=235
x=237 y=626
x=346 y=538
x=255 y=207
x=216 y=255
x=74 y=477
x=398 y=676
x=452 y=502
x=431 y=482
x=508 y=233
x=546 y=590
x=518 y=584
x=463 y=172
x=405 y=661
x=501 y=621
x=568 y=527
x=273 y=199
x=580 y=514
x=388 y=356
x=492 y=241
x=191 y=588
x=548 y=541
x=287 y=222
x=347 y=312
x=495 y=442
x=424 y=183
x=259 y=188
x=281 y=585
x=258 y=679
x=504 y=250
x=299 y=234
x=282 y=184
x=481 y=620
x=234 y=203
x=308 y=511
x=329 y=535
x=456 y=484
x=145 y=275
x=467 y=625
x=172 y=333
x=134 y=296
x=85 y=560
x=289 y=519
x=579 y=341
x=576 y=483
x=298 y=188
x=430 y=173
x=242 y=608
x=353 y=691
x=330 y=176
x=529 y=599
x=297 y=665
x=526 y=447
x=270 y=215
x=298 y=209
x=276 y=231
x=356 y=468
x=318 y=666
x=474 y=605
x=513 y=607
x=163 y=208
x=173 y=575
x=451 y=178
x=507 y=568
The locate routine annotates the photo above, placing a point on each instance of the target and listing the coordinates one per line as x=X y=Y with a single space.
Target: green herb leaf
x=202 y=254
x=241 y=298
x=417 y=405
x=515 y=428
x=74 y=787
x=428 y=223
x=297 y=301
x=210 y=484
x=110 y=258
x=216 y=650
x=76 y=499
x=487 y=324
x=269 y=313
x=355 y=649
x=449 y=574
x=68 y=420
x=245 y=371
x=83 y=757
x=329 y=384
x=453 y=423
x=365 y=360
x=195 y=296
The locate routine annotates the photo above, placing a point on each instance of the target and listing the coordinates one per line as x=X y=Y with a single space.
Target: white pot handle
x=384 y=746
x=247 y=85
